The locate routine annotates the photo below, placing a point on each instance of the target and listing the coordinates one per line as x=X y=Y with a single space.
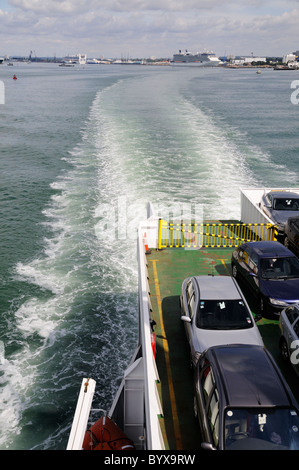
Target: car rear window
x=261 y=428
x=223 y=315
x=286 y=204
x=272 y=268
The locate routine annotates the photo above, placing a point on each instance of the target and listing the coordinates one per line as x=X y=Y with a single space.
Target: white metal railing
x=152 y=404
x=81 y=414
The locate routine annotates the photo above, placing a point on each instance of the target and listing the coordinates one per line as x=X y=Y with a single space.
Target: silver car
x=215 y=312
x=279 y=206
x=289 y=339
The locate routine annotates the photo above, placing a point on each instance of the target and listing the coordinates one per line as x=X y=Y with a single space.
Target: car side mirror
x=207 y=446
x=186 y=319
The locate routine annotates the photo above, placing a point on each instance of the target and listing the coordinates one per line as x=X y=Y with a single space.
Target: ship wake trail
x=81 y=302
x=167 y=149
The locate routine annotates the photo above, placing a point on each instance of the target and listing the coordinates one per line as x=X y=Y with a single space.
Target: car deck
x=167 y=268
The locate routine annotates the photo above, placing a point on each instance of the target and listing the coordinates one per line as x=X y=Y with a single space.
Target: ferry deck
x=154 y=402
x=167 y=268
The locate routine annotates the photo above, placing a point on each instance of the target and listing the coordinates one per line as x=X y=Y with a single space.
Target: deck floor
x=167 y=269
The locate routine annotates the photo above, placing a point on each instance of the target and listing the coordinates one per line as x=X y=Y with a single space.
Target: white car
x=289 y=339
x=215 y=312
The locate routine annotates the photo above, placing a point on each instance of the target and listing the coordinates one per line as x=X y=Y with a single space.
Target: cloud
x=149 y=27
x=52 y=7
x=49 y=8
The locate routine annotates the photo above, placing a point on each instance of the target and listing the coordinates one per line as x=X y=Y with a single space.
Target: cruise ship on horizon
x=75 y=59
x=200 y=58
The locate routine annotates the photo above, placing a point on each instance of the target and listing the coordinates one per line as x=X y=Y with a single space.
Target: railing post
x=159 y=234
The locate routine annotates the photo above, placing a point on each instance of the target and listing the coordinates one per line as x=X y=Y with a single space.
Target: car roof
x=284 y=194
x=249 y=376
x=217 y=287
x=268 y=249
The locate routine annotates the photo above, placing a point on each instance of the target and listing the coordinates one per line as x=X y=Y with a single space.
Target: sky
x=148 y=28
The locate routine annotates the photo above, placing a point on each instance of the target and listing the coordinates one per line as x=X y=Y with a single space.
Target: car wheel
x=284 y=350
x=234 y=271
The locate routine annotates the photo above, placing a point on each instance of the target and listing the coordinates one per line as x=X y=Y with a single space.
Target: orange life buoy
x=106 y=435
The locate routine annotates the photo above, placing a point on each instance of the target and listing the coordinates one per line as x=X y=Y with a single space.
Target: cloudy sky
x=145 y=28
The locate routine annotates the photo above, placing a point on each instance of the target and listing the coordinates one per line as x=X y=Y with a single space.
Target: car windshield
x=223 y=315
x=286 y=204
x=276 y=268
x=256 y=428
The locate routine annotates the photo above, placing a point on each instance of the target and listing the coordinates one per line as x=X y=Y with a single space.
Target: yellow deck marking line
x=166 y=353
x=223 y=262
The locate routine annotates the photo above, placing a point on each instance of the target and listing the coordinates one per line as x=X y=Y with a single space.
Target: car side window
x=191 y=298
x=243 y=255
x=269 y=199
x=192 y=305
x=296 y=328
x=189 y=290
x=211 y=398
x=213 y=416
x=207 y=382
x=251 y=260
x=292 y=314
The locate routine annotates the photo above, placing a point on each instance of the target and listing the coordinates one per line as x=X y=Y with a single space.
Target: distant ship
x=1 y=60
x=200 y=58
x=75 y=59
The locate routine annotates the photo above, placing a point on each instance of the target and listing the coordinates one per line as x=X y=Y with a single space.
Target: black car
x=279 y=206
x=243 y=402
x=271 y=270
x=291 y=234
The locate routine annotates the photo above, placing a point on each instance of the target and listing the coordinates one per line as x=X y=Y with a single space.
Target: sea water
x=82 y=151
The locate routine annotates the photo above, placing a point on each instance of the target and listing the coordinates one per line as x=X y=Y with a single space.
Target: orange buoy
x=145 y=242
x=106 y=435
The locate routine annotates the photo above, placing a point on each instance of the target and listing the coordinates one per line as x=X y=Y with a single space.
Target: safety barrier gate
x=213 y=235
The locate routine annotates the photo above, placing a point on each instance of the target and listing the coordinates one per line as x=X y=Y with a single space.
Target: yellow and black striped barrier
x=212 y=235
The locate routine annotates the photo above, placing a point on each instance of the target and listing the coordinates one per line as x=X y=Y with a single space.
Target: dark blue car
x=271 y=270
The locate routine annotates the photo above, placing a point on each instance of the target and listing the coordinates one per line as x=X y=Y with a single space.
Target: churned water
x=82 y=151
